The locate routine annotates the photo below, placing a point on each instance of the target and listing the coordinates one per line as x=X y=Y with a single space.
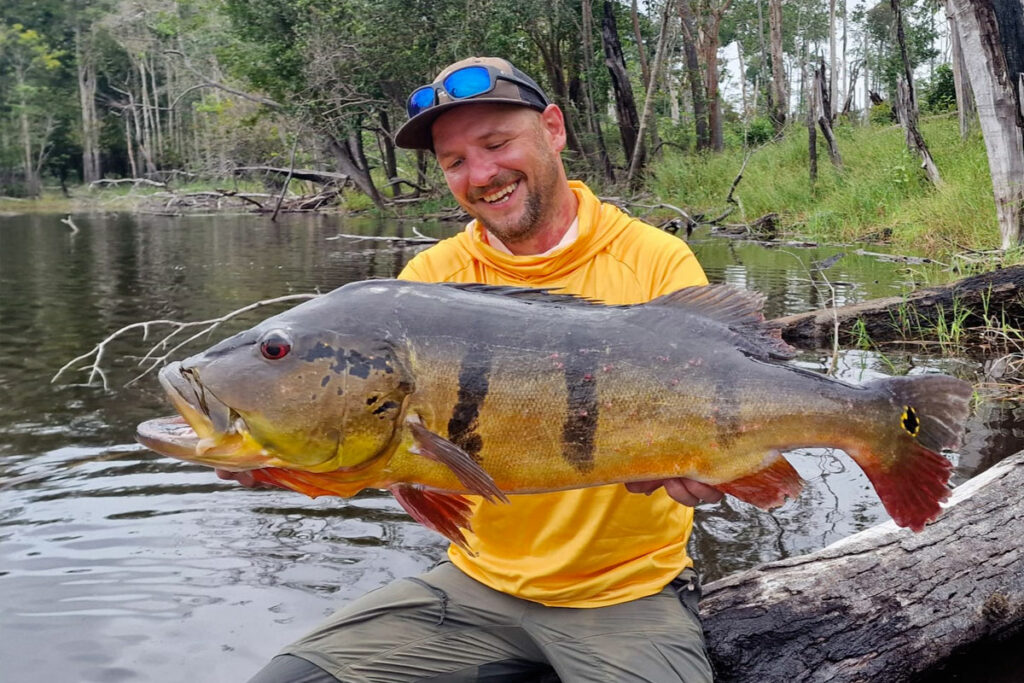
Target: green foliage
x=880 y=193
x=939 y=95
x=759 y=131
x=882 y=114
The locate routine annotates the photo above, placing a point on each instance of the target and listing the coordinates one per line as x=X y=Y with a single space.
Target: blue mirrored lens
x=468 y=82
x=421 y=99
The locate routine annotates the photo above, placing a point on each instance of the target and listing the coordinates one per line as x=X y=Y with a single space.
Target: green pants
x=445 y=626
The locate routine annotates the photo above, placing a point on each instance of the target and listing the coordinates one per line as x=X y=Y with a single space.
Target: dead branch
x=98 y=352
x=121 y=181
x=70 y=223
x=258 y=99
x=419 y=239
x=319 y=177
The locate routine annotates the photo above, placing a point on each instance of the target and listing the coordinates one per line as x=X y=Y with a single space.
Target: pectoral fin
x=466 y=470
x=445 y=513
x=768 y=487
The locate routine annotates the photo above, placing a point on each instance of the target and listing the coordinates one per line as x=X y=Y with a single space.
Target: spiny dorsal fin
x=529 y=294
x=727 y=304
x=738 y=309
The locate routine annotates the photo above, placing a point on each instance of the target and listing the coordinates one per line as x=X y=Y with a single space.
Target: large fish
x=437 y=390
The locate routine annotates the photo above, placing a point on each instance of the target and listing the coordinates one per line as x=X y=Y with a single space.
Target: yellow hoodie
x=587 y=547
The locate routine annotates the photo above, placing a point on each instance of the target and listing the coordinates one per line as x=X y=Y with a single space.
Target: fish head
x=290 y=395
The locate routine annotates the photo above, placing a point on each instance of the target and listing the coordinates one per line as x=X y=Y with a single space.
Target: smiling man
x=584 y=585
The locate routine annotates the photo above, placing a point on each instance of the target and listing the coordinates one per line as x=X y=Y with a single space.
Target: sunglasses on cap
x=466 y=82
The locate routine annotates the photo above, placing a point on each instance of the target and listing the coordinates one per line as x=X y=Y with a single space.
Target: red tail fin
x=923 y=415
x=912 y=487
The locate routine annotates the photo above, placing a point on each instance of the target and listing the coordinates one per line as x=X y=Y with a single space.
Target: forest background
x=693 y=110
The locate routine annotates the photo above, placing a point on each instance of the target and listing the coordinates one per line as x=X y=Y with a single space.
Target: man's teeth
x=501 y=194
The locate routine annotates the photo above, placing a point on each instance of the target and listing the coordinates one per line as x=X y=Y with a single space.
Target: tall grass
x=881 y=193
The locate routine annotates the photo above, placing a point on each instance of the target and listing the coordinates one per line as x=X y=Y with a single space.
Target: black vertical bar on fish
x=474 y=383
x=581 y=417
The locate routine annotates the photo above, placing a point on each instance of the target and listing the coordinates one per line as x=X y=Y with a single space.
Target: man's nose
x=482 y=170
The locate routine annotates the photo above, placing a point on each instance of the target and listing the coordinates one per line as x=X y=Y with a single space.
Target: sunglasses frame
x=439 y=89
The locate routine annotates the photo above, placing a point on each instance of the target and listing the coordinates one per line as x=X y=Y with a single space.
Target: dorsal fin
x=530 y=294
x=738 y=309
x=727 y=304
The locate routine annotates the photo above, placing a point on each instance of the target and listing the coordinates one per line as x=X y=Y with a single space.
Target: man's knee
x=291 y=669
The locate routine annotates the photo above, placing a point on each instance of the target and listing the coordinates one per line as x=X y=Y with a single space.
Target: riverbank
x=879 y=196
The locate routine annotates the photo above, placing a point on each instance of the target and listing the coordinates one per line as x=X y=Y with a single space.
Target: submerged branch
x=94 y=358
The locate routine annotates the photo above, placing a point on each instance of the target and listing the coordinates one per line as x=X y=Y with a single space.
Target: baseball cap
x=473 y=80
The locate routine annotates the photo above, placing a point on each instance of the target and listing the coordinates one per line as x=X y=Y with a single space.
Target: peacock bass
x=434 y=391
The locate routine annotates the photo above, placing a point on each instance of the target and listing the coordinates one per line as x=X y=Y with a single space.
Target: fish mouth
x=208 y=431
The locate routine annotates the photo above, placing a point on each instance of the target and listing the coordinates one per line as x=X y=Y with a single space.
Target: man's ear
x=554 y=123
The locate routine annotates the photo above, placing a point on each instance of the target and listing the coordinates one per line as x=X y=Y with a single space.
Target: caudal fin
x=926 y=415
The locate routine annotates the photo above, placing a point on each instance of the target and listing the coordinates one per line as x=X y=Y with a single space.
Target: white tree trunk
x=964 y=96
x=833 y=66
x=997 y=111
x=87 y=100
x=780 y=93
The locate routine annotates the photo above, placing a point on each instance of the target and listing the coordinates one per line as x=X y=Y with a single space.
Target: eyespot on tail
x=927 y=414
x=931 y=408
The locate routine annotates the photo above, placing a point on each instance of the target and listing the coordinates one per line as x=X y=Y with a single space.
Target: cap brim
x=416 y=134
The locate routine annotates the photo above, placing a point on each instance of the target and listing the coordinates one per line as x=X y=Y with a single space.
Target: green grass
x=880 y=194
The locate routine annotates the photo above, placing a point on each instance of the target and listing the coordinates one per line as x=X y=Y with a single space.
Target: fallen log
x=320 y=177
x=978 y=301
x=882 y=605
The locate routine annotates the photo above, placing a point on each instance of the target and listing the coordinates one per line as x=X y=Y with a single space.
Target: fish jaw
x=208 y=432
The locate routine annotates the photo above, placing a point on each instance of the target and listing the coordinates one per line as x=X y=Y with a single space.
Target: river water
x=117 y=564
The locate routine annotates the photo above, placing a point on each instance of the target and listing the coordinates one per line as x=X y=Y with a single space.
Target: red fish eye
x=275 y=347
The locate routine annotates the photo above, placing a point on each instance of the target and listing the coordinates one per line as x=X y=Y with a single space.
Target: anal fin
x=445 y=513
x=768 y=487
x=466 y=470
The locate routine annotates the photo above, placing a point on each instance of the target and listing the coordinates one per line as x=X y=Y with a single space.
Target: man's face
x=502 y=165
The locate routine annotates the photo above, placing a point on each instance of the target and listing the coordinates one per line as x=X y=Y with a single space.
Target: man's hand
x=685 y=491
x=246 y=479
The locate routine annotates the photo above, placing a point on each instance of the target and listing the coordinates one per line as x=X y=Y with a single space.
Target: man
x=591 y=584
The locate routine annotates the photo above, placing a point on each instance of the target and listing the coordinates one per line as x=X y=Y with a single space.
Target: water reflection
x=120 y=561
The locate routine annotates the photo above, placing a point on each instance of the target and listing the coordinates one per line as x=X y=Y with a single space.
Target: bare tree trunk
x=833 y=63
x=625 y=104
x=743 y=82
x=867 y=82
x=852 y=84
x=636 y=162
x=32 y=181
x=964 y=96
x=593 y=121
x=907 y=110
x=129 y=143
x=709 y=49
x=146 y=134
x=159 y=141
x=818 y=95
x=845 y=80
x=812 y=133
x=780 y=93
x=388 y=149
x=87 y=99
x=700 y=114
x=347 y=160
x=908 y=102
x=997 y=95
x=645 y=71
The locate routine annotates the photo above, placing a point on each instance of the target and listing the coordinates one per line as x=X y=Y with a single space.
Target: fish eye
x=275 y=345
